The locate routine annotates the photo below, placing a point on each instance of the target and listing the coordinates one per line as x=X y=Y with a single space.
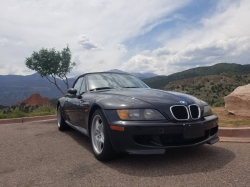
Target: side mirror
x=72 y=91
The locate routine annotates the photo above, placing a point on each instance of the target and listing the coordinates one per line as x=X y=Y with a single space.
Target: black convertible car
x=121 y=114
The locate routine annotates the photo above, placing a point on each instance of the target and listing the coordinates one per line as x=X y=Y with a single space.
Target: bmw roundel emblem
x=183 y=102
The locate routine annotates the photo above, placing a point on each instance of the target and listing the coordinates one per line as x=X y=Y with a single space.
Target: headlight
x=207 y=111
x=140 y=114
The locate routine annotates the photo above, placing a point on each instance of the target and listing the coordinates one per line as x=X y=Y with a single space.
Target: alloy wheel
x=97 y=134
x=59 y=117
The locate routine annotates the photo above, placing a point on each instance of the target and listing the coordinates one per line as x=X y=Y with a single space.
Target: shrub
x=28 y=111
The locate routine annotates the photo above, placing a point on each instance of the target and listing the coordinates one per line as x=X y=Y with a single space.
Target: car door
x=84 y=106
x=72 y=103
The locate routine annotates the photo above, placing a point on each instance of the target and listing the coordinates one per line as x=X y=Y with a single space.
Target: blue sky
x=163 y=36
x=187 y=16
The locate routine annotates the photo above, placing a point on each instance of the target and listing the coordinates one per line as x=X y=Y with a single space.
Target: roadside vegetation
x=26 y=111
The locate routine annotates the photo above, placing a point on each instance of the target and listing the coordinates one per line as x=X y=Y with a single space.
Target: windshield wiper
x=130 y=87
x=101 y=88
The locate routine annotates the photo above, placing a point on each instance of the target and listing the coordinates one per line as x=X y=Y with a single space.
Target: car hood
x=155 y=97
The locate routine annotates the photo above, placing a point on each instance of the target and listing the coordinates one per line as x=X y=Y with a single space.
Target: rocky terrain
x=35 y=100
x=238 y=102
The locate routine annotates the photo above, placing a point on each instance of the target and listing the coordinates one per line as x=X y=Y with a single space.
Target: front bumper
x=148 y=137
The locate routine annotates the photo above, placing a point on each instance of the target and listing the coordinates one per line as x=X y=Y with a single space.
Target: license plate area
x=191 y=131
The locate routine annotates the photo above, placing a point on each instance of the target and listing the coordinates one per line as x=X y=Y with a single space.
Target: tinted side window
x=83 y=87
x=78 y=84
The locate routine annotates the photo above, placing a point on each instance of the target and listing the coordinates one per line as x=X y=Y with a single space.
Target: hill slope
x=226 y=68
x=210 y=88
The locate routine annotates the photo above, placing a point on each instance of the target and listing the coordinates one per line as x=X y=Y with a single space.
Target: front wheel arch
x=62 y=125
x=108 y=151
x=91 y=112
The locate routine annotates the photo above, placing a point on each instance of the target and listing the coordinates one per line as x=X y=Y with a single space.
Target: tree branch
x=55 y=84
x=64 y=81
x=67 y=82
x=49 y=80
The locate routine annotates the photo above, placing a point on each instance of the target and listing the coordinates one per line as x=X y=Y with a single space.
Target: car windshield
x=113 y=80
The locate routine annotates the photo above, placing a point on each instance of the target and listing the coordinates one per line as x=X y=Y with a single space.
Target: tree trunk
x=55 y=83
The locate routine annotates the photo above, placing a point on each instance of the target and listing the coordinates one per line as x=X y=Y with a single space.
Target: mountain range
x=159 y=82
x=210 y=84
x=16 y=88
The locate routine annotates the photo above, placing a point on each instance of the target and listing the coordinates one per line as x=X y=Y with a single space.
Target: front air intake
x=195 y=111
x=179 y=112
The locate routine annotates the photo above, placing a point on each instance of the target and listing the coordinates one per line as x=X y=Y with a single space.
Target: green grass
x=41 y=111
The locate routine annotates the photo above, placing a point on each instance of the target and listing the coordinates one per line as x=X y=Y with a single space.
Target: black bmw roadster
x=121 y=114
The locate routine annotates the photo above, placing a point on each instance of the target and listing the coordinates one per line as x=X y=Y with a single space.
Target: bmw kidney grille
x=181 y=112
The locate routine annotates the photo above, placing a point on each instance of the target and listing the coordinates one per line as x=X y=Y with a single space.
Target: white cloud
x=122 y=48
x=2 y=66
x=3 y=42
x=163 y=51
x=60 y=22
x=106 y=25
x=87 y=44
x=141 y=64
x=100 y=62
x=223 y=37
x=167 y=61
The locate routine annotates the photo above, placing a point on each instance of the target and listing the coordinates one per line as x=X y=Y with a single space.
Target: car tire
x=99 y=136
x=62 y=125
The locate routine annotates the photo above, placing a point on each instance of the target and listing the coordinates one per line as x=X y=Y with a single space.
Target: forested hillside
x=222 y=68
x=210 y=88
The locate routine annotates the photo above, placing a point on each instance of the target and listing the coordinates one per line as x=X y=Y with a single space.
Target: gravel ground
x=37 y=154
